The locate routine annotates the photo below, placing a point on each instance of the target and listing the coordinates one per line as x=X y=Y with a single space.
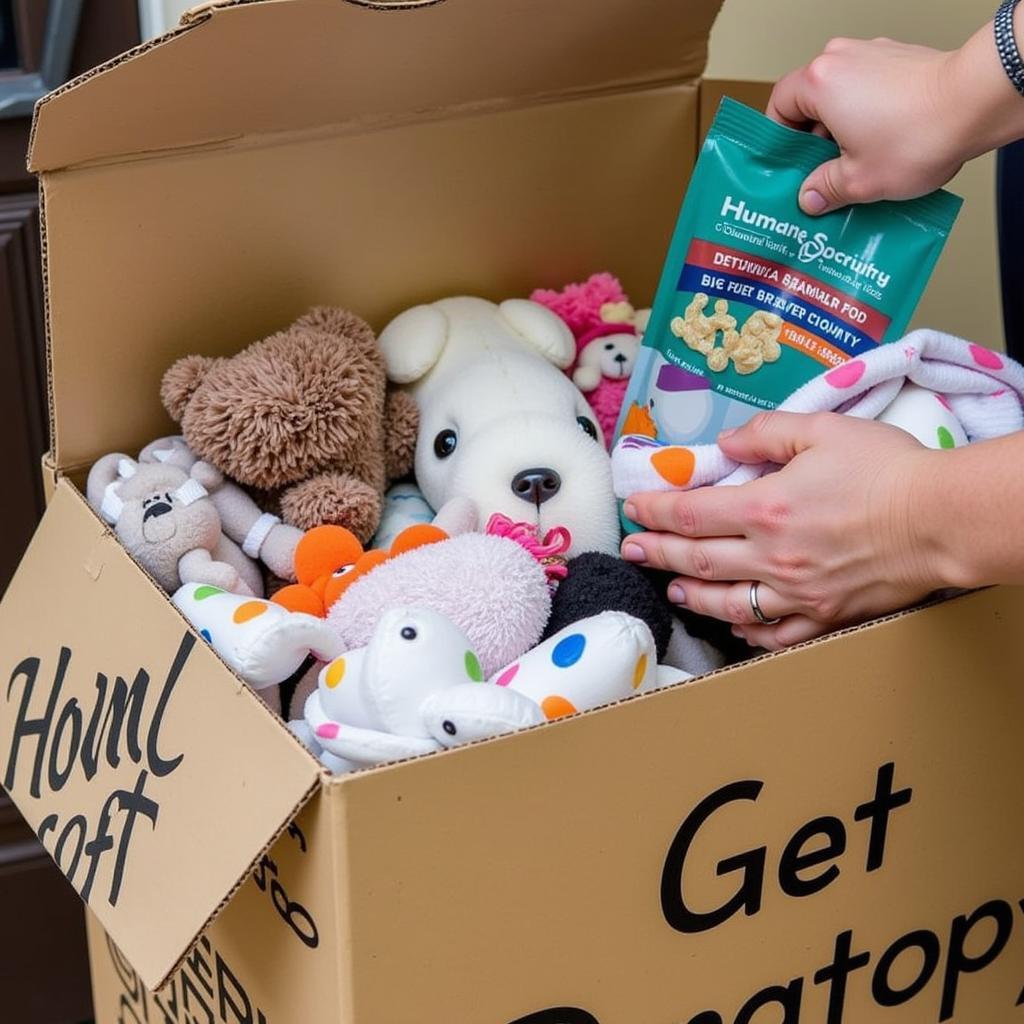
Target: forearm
x=967 y=511
x=986 y=112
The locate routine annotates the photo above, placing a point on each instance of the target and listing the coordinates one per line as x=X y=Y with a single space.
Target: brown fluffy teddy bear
x=303 y=416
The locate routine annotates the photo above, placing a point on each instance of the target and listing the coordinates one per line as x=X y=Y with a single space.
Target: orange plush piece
x=639 y=421
x=329 y=559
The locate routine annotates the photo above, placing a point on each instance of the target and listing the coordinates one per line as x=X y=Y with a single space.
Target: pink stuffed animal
x=607 y=330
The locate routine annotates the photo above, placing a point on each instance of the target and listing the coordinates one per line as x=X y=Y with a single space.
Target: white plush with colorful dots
x=591 y=662
x=260 y=640
x=926 y=415
x=415 y=688
x=945 y=391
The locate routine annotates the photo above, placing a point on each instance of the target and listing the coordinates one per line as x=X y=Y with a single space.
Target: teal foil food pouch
x=756 y=297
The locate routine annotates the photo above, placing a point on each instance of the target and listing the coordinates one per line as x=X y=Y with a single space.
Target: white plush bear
x=502 y=429
x=608 y=355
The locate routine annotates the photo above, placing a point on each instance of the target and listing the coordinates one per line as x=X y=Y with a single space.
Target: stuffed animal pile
x=411 y=542
x=393 y=613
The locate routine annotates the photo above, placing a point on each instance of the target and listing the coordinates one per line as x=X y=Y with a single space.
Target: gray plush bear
x=184 y=523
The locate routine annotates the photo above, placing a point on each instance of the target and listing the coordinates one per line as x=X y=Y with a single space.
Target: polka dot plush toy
x=415 y=688
x=261 y=641
x=592 y=662
x=945 y=391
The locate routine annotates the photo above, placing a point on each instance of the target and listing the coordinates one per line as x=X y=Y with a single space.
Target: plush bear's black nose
x=159 y=508
x=536 y=485
x=620 y=358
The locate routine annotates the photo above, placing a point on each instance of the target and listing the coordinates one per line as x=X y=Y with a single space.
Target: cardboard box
x=808 y=837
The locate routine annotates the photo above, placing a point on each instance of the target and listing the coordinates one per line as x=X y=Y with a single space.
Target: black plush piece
x=601 y=583
x=712 y=631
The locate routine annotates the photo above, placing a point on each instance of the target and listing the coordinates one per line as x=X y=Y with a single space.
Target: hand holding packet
x=756 y=297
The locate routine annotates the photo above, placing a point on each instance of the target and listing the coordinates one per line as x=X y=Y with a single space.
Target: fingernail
x=813 y=202
x=630 y=510
x=676 y=594
x=726 y=434
x=633 y=553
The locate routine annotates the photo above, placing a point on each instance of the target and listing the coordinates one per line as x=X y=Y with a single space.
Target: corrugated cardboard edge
x=341 y=838
x=316 y=787
x=335 y=782
x=51 y=413
x=74 y=83
x=202 y=10
x=50 y=475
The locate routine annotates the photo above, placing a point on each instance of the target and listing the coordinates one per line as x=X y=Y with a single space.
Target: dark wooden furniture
x=44 y=976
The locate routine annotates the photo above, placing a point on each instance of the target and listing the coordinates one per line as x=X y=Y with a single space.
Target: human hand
x=832 y=536
x=905 y=117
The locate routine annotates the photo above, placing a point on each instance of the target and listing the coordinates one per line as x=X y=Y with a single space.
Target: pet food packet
x=756 y=297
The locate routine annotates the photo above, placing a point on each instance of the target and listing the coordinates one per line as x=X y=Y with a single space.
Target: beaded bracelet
x=1006 y=44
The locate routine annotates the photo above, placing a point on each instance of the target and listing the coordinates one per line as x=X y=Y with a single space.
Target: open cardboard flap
x=204 y=191
x=261 y=67
x=153 y=776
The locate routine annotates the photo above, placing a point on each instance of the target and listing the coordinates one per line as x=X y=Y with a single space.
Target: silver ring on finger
x=756 y=608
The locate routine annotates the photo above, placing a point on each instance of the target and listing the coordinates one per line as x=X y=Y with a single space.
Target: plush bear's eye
x=342 y=570
x=408 y=633
x=445 y=443
x=449 y=727
x=609 y=346
x=587 y=426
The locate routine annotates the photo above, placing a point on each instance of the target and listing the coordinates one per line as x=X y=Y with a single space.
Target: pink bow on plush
x=549 y=551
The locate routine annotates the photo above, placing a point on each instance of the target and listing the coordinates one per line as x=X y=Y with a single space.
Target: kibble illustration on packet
x=756 y=298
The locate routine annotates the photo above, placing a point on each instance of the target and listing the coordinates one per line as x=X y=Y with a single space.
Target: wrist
x=943 y=545
x=985 y=109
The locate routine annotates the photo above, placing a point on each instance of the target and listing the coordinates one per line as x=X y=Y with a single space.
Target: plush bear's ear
x=402 y=422
x=587 y=377
x=180 y=383
x=413 y=342
x=102 y=484
x=340 y=322
x=542 y=330
x=169 y=450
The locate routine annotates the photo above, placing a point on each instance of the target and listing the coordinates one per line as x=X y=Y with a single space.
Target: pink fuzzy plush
x=606 y=401
x=579 y=305
x=491 y=587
